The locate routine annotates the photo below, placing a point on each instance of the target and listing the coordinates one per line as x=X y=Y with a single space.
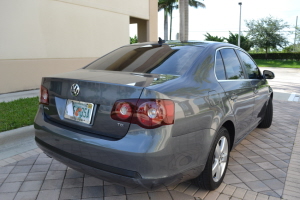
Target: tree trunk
x=266 y=56
x=184 y=20
x=166 y=26
x=171 y=15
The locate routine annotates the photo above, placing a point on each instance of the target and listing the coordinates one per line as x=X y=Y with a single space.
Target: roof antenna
x=160 y=41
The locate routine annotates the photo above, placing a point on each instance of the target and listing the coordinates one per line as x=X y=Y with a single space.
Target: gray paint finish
x=160 y=156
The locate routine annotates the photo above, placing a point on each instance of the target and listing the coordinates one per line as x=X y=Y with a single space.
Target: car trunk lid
x=99 y=90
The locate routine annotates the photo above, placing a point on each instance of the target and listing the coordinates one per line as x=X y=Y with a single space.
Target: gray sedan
x=154 y=114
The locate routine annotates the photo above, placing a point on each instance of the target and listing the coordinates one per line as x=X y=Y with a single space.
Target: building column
x=152 y=23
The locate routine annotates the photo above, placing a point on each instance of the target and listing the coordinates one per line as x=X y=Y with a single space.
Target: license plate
x=79 y=111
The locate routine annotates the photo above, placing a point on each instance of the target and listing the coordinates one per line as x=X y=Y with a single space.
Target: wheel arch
x=231 y=129
x=271 y=96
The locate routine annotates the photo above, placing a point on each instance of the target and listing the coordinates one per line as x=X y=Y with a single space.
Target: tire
x=267 y=120
x=210 y=178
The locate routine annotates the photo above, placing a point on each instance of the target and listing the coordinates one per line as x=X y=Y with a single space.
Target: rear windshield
x=154 y=59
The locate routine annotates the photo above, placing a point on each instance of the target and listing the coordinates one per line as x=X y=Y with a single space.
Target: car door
x=237 y=89
x=259 y=86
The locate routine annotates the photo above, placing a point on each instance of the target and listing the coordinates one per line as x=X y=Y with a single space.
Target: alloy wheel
x=220 y=159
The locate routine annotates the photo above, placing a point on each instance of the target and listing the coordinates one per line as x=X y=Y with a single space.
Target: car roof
x=174 y=43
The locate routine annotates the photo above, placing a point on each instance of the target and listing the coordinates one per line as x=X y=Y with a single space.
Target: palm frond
x=196 y=4
x=167 y=5
x=162 y=5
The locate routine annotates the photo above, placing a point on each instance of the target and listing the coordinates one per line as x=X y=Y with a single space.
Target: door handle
x=234 y=96
x=255 y=89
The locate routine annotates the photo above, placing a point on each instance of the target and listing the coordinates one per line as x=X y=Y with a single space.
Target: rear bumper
x=144 y=158
x=113 y=175
x=115 y=170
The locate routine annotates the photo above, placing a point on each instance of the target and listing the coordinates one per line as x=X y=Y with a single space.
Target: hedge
x=276 y=56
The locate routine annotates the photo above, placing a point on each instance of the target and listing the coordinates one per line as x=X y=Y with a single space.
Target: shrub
x=276 y=56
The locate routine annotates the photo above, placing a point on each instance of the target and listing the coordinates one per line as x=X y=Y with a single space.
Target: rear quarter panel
x=200 y=102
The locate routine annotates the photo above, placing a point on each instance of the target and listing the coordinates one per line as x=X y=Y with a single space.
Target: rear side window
x=154 y=59
x=219 y=69
x=251 y=68
x=232 y=64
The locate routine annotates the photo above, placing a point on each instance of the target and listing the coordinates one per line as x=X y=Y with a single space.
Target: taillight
x=147 y=113
x=44 y=96
x=123 y=110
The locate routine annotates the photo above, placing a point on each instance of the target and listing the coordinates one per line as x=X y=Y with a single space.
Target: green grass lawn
x=277 y=63
x=18 y=113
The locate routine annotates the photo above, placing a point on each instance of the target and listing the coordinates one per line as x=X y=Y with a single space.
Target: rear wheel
x=267 y=120
x=216 y=165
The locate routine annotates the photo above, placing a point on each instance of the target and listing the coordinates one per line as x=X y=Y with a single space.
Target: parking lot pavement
x=286 y=84
x=265 y=165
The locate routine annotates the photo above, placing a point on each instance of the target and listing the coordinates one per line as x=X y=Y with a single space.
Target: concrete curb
x=6 y=97
x=16 y=136
x=15 y=141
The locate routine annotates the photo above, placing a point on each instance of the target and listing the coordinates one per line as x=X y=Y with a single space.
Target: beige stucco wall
x=44 y=37
x=134 y=8
x=18 y=75
x=153 y=20
x=54 y=29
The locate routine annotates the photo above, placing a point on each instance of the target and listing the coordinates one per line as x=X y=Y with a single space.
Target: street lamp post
x=295 y=34
x=239 y=38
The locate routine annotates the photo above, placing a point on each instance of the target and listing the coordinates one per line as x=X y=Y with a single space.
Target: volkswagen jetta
x=154 y=114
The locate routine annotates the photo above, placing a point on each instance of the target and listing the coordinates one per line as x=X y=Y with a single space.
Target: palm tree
x=246 y=44
x=166 y=6
x=184 y=13
x=173 y=6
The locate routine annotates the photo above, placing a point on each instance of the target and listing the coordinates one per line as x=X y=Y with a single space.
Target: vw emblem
x=75 y=89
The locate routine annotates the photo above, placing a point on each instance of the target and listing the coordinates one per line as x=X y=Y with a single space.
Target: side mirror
x=268 y=74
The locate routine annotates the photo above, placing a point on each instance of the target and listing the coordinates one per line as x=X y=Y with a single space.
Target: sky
x=221 y=16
